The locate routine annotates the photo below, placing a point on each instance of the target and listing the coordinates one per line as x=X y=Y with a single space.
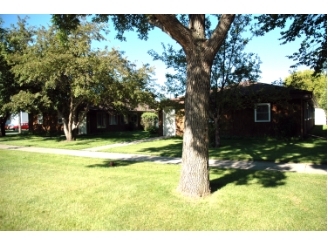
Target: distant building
x=14 y=119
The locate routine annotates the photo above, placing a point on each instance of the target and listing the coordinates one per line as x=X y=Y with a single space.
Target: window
x=113 y=119
x=101 y=120
x=40 y=119
x=262 y=112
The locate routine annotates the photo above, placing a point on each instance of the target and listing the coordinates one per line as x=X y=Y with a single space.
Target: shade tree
x=69 y=76
x=231 y=66
x=311 y=28
x=200 y=50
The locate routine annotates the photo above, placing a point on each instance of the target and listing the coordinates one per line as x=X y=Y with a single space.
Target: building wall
x=179 y=119
x=48 y=124
x=130 y=122
x=293 y=119
x=90 y=124
x=169 y=122
x=320 y=116
x=286 y=120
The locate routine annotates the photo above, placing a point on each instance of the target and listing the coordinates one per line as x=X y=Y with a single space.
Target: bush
x=153 y=130
x=149 y=121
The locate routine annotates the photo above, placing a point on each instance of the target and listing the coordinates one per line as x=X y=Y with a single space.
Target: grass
x=311 y=150
x=320 y=131
x=82 y=142
x=43 y=192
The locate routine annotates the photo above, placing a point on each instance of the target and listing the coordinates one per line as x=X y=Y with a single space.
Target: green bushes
x=149 y=121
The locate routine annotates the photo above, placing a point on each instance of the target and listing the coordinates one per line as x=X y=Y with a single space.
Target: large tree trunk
x=200 y=53
x=194 y=179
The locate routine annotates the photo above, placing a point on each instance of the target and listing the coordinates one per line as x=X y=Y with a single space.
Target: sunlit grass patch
x=51 y=192
x=310 y=150
x=82 y=141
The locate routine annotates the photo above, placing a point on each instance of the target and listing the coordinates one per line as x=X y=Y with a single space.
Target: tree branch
x=219 y=34
x=173 y=27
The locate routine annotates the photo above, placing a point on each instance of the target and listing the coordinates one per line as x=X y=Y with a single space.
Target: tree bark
x=71 y=123
x=194 y=180
x=200 y=53
x=2 y=125
x=3 y=130
x=68 y=121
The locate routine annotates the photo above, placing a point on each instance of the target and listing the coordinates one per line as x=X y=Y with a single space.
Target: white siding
x=14 y=119
x=320 y=116
x=169 y=127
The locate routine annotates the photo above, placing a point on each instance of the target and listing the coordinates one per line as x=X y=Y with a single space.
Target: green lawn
x=82 y=142
x=320 y=131
x=49 y=192
x=311 y=150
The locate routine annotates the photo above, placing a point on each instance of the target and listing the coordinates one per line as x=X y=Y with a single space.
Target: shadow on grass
x=111 y=164
x=26 y=135
x=267 y=179
x=170 y=150
x=124 y=135
x=279 y=151
x=255 y=149
x=320 y=167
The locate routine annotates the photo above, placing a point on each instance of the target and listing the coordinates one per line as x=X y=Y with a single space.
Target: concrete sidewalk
x=257 y=165
x=124 y=144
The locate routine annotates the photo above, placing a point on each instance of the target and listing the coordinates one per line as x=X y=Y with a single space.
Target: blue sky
x=275 y=64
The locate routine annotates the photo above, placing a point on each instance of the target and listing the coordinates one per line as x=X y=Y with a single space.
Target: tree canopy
x=190 y=31
x=68 y=76
x=312 y=28
x=231 y=66
x=305 y=80
x=8 y=85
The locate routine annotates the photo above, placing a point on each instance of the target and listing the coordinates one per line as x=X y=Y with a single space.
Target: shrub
x=149 y=121
x=153 y=129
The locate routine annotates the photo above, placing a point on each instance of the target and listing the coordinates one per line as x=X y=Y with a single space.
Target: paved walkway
x=123 y=144
x=257 y=165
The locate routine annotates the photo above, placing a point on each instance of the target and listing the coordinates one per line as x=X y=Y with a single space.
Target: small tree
x=8 y=85
x=308 y=80
x=69 y=75
x=149 y=121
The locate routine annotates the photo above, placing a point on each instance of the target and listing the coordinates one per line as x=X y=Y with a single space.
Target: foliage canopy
x=69 y=76
x=311 y=27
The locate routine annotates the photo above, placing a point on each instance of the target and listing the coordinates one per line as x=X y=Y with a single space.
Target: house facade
x=95 y=120
x=46 y=122
x=255 y=109
x=98 y=120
